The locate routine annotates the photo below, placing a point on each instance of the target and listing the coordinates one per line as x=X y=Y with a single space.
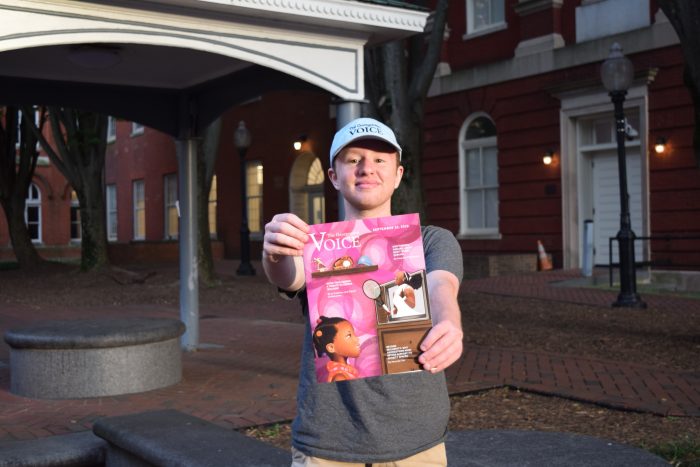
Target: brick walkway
x=246 y=372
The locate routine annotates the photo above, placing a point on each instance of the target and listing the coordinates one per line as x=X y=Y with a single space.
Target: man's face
x=366 y=173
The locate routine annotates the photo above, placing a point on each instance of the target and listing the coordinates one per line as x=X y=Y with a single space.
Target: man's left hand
x=441 y=347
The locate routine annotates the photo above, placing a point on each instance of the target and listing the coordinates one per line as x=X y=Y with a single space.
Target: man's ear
x=333 y=178
x=399 y=176
x=330 y=348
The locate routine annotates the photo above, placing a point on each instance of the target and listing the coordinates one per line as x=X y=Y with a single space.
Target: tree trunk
x=206 y=158
x=25 y=252
x=80 y=143
x=93 y=244
x=15 y=178
x=398 y=76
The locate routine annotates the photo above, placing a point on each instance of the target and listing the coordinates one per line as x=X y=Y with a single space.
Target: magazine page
x=368 y=298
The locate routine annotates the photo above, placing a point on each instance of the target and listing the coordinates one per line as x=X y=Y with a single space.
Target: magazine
x=368 y=296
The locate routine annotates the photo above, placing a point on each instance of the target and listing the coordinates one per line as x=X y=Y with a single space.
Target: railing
x=667 y=238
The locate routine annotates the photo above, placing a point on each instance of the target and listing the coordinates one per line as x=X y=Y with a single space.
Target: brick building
x=518 y=81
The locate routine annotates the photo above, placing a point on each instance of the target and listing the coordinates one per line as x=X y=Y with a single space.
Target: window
x=112 y=213
x=212 y=208
x=170 y=202
x=136 y=129
x=484 y=16
x=478 y=178
x=111 y=129
x=599 y=19
x=314 y=185
x=254 y=193
x=32 y=213
x=139 y=210
x=75 y=228
x=602 y=132
x=37 y=122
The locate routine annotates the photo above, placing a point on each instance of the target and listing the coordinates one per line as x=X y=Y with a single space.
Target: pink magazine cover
x=367 y=293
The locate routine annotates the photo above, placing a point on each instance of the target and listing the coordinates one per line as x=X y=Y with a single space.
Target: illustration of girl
x=336 y=338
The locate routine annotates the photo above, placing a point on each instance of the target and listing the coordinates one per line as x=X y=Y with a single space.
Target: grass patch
x=681 y=453
x=266 y=431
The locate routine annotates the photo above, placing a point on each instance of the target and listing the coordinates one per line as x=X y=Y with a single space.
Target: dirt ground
x=648 y=337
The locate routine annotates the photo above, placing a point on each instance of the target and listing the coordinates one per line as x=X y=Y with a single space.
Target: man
x=392 y=420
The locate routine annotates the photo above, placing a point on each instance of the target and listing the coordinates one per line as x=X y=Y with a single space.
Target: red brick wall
x=675 y=177
x=527 y=120
x=146 y=157
x=274 y=121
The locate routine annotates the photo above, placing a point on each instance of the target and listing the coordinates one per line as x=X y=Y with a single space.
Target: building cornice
x=361 y=15
x=658 y=35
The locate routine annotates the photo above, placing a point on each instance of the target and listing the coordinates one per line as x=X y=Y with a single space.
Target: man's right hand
x=285 y=235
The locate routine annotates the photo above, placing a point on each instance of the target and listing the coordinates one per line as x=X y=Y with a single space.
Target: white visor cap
x=363 y=128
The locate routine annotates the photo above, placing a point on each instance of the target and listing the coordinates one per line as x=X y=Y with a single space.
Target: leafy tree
x=684 y=15
x=15 y=177
x=78 y=151
x=398 y=76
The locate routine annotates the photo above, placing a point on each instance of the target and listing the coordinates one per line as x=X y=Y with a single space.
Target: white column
x=346 y=111
x=189 y=275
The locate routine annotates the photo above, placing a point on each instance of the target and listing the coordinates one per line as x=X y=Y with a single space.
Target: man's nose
x=366 y=166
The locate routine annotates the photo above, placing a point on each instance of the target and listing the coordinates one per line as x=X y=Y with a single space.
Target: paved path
x=246 y=372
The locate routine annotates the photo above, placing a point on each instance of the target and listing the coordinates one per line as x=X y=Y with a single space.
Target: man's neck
x=352 y=214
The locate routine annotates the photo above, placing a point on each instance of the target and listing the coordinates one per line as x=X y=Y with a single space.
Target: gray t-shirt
x=376 y=419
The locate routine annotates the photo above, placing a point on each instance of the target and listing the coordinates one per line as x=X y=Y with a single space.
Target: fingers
x=285 y=234
x=441 y=347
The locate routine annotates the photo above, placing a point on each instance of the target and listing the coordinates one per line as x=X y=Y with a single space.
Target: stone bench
x=82 y=449
x=169 y=438
x=94 y=357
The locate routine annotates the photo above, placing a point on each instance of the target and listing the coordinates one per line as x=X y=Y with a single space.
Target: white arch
x=331 y=62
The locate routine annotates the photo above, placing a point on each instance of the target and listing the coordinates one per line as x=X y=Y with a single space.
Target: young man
x=392 y=420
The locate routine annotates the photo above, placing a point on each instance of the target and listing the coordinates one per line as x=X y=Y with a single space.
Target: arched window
x=32 y=213
x=478 y=177
x=306 y=198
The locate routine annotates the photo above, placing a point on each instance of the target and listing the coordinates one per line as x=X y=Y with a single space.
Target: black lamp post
x=617 y=73
x=242 y=139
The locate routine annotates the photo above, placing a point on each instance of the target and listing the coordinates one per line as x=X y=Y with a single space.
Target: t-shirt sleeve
x=442 y=251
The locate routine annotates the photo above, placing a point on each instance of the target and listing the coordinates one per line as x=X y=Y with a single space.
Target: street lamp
x=242 y=139
x=617 y=73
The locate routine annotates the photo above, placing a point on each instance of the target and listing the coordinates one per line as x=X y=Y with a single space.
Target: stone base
x=94 y=358
x=478 y=266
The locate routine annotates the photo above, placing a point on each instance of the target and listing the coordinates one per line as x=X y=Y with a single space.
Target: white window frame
x=34 y=202
x=139 y=208
x=464 y=146
x=111 y=129
x=75 y=205
x=493 y=27
x=170 y=205
x=112 y=219
x=254 y=198
x=43 y=160
x=137 y=129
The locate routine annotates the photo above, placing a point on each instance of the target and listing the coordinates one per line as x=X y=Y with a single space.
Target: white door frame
x=575 y=105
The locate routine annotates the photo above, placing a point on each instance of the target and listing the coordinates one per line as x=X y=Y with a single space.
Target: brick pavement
x=245 y=373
